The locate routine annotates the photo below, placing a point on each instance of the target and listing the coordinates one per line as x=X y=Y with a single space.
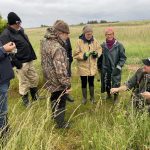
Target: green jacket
x=139 y=83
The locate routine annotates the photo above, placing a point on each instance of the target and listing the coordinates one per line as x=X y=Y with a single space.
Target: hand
x=114 y=90
x=116 y=72
x=94 y=54
x=68 y=91
x=9 y=47
x=86 y=55
x=146 y=95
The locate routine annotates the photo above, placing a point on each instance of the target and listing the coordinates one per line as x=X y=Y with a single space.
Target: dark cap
x=146 y=61
x=13 y=18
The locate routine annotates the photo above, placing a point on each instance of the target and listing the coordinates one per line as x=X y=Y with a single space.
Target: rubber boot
x=84 y=94
x=33 y=92
x=25 y=100
x=92 y=98
x=59 y=118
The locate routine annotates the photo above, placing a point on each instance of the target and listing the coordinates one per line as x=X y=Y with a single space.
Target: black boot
x=84 y=94
x=59 y=117
x=34 y=94
x=92 y=94
x=25 y=100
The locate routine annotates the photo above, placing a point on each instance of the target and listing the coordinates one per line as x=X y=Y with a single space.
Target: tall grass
x=103 y=126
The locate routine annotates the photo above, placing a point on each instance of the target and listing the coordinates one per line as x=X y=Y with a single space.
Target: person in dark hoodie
x=113 y=59
x=6 y=74
x=86 y=54
x=23 y=59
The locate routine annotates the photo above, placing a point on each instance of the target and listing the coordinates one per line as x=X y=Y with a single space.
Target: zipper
x=89 y=61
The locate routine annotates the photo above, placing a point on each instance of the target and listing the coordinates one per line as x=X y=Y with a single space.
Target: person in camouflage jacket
x=55 y=69
x=140 y=83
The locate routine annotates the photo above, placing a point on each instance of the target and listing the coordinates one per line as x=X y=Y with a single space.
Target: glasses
x=18 y=22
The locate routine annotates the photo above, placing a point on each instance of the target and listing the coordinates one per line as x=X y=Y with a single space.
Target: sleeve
x=3 y=54
x=99 y=49
x=69 y=50
x=131 y=83
x=61 y=68
x=78 y=54
x=122 y=57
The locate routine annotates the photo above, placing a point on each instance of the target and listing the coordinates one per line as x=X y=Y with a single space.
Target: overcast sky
x=33 y=13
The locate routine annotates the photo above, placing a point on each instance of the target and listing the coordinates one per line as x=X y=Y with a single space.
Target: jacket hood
x=51 y=34
x=82 y=37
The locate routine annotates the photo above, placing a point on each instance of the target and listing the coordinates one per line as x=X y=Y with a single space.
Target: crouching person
x=140 y=83
x=55 y=65
x=6 y=74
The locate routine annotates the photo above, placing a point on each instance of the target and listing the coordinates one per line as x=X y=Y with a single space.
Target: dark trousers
x=60 y=101
x=3 y=104
x=108 y=80
x=85 y=79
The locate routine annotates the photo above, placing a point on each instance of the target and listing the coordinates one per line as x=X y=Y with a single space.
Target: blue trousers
x=3 y=104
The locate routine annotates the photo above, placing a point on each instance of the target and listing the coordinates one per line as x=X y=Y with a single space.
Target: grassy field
x=103 y=126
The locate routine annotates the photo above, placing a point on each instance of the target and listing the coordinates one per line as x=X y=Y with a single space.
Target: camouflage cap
x=61 y=26
x=146 y=61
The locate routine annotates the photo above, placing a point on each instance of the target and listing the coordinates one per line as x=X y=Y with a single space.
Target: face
x=146 y=69
x=64 y=36
x=16 y=26
x=88 y=35
x=109 y=35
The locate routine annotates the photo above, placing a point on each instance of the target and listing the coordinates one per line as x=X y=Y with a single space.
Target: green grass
x=103 y=126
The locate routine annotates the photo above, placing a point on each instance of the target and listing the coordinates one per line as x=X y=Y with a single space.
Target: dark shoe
x=84 y=94
x=25 y=100
x=92 y=94
x=69 y=98
x=33 y=92
x=108 y=95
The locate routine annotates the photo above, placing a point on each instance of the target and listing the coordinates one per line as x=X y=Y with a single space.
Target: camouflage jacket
x=54 y=62
x=139 y=82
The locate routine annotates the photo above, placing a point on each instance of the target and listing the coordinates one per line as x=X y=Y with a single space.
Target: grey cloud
x=34 y=13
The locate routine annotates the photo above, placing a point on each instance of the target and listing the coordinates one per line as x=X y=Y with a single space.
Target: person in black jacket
x=112 y=61
x=23 y=59
x=6 y=74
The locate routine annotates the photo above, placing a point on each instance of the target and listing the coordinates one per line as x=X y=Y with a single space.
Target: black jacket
x=69 y=50
x=6 y=71
x=25 y=52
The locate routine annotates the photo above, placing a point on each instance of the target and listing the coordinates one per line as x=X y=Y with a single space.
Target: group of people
x=56 y=58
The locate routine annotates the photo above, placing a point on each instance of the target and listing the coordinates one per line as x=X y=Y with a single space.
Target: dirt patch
x=133 y=67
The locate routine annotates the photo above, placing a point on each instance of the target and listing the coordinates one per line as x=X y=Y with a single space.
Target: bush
x=3 y=24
